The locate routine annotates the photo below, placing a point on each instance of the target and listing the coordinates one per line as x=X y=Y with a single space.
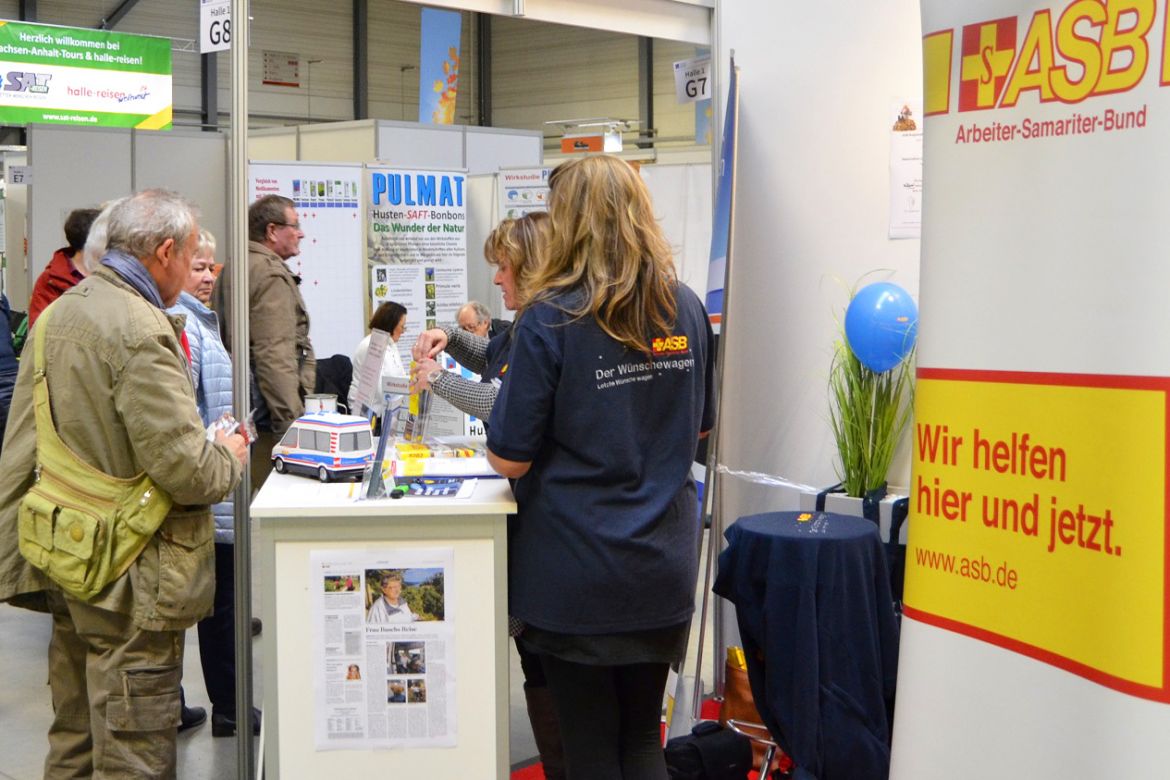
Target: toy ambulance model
x=325 y=444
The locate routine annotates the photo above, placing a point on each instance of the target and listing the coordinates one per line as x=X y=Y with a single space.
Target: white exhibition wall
x=682 y=203
x=16 y=285
x=811 y=216
x=78 y=167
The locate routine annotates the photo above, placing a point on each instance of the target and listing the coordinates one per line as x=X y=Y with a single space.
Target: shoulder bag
x=80 y=526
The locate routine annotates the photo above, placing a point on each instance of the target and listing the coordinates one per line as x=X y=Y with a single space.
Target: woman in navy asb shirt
x=608 y=392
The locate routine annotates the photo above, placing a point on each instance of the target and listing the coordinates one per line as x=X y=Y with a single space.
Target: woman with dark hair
x=391 y=318
x=608 y=393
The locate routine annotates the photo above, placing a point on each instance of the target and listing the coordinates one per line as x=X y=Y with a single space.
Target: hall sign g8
x=215 y=25
x=1085 y=49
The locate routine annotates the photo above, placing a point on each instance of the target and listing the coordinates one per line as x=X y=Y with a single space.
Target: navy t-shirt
x=496 y=359
x=606 y=539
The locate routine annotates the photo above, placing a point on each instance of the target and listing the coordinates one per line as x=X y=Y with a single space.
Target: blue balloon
x=881 y=325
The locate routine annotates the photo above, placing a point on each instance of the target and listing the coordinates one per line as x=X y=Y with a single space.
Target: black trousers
x=217 y=636
x=609 y=718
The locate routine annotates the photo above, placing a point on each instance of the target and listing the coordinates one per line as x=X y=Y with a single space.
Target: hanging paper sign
x=692 y=81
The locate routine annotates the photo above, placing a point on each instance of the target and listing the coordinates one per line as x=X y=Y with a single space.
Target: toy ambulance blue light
x=327 y=445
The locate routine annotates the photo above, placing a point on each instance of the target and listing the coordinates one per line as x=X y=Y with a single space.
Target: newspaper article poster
x=384 y=648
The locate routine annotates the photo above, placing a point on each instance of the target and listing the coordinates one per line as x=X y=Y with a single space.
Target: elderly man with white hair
x=122 y=402
x=473 y=317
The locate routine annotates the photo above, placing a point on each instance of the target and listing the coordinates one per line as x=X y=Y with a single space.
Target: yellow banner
x=1038 y=507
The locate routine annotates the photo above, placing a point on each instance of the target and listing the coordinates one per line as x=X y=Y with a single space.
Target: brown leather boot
x=547 y=731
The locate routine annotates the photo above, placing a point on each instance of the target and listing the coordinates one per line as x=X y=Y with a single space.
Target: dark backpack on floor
x=709 y=752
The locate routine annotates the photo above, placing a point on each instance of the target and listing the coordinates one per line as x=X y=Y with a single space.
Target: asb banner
x=67 y=75
x=1035 y=631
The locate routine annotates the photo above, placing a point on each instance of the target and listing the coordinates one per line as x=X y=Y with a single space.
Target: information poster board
x=328 y=203
x=905 y=130
x=523 y=190
x=69 y=75
x=416 y=245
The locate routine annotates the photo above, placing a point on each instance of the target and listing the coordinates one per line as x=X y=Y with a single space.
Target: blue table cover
x=816 y=617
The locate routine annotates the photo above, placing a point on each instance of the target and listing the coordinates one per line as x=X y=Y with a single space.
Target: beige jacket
x=123 y=401
x=282 y=357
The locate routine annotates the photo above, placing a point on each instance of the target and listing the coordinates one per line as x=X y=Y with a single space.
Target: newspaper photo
x=384 y=648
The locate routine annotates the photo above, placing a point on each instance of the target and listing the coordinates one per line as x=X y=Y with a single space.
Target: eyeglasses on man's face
x=293 y=225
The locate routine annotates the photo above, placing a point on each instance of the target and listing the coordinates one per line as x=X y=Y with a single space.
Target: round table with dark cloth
x=816 y=618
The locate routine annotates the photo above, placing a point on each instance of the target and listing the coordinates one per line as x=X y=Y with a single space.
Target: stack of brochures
x=441 y=456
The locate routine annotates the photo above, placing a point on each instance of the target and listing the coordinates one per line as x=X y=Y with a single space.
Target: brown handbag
x=739 y=705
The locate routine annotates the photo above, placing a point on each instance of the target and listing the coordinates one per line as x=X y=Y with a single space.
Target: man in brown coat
x=283 y=364
x=122 y=400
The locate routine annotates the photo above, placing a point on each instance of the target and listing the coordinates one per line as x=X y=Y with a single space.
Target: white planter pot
x=841 y=504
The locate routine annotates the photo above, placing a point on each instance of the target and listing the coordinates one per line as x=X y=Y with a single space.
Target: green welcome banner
x=69 y=75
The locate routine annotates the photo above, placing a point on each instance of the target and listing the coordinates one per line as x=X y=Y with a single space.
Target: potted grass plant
x=871 y=385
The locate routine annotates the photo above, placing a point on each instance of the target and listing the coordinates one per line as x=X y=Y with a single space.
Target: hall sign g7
x=215 y=25
x=691 y=80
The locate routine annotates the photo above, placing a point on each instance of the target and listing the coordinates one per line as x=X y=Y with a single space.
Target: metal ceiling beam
x=645 y=93
x=119 y=13
x=209 y=90
x=28 y=10
x=483 y=75
x=361 y=59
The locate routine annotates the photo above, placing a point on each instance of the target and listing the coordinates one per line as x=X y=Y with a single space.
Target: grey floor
x=25 y=711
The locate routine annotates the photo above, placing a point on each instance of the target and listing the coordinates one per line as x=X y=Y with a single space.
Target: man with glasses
x=284 y=369
x=474 y=317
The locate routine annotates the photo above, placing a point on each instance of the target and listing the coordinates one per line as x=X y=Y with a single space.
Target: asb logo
x=668 y=345
x=1063 y=54
x=989 y=48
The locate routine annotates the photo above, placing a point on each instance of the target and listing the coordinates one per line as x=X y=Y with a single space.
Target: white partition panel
x=482 y=215
x=338 y=141
x=489 y=149
x=72 y=167
x=408 y=144
x=193 y=164
x=682 y=203
x=16 y=285
x=273 y=143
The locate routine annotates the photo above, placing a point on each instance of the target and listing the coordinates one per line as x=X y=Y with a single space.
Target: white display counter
x=296 y=516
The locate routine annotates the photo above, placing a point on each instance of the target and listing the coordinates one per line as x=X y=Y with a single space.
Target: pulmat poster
x=416 y=246
x=383 y=647
x=1036 y=585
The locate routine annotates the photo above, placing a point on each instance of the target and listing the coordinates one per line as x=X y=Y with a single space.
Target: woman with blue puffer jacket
x=211 y=371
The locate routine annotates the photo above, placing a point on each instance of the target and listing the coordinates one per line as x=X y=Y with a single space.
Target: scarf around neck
x=134 y=273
